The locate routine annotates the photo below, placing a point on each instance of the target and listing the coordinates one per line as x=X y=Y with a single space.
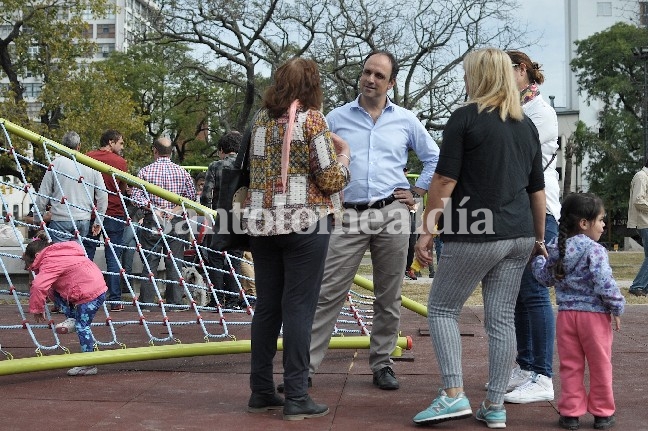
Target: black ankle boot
x=261 y=402
x=298 y=408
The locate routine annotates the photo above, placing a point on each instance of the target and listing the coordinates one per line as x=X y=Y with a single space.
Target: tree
x=428 y=38
x=171 y=89
x=44 y=37
x=95 y=100
x=607 y=70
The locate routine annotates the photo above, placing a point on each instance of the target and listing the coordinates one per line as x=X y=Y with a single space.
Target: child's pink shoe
x=66 y=327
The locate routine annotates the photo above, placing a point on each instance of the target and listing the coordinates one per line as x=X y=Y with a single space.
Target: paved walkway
x=211 y=392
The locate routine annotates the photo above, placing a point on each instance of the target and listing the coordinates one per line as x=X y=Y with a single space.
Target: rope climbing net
x=208 y=312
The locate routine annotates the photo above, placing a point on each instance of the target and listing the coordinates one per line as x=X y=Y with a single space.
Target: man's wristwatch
x=413 y=192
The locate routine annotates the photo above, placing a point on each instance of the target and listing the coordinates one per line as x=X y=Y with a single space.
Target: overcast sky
x=548 y=17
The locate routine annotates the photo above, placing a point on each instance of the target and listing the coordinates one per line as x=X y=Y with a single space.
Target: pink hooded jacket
x=64 y=268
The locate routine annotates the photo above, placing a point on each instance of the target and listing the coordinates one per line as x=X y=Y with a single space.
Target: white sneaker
x=539 y=388
x=82 y=371
x=66 y=327
x=518 y=377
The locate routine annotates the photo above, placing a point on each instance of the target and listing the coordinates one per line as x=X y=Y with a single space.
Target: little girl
x=588 y=298
x=73 y=282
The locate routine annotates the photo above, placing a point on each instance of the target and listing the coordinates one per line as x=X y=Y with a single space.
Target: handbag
x=235 y=180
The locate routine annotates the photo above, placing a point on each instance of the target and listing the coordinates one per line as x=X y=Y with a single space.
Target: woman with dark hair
x=297 y=168
x=531 y=378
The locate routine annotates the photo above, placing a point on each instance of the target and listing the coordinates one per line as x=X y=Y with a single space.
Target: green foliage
x=428 y=39
x=607 y=69
x=177 y=96
x=94 y=102
x=46 y=39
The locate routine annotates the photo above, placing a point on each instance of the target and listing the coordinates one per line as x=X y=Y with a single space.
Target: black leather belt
x=378 y=204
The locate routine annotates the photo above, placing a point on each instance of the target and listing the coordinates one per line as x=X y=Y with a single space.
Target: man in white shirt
x=638 y=218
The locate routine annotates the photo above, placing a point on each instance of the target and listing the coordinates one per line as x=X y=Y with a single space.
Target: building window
x=604 y=8
x=106 y=31
x=88 y=31
x=106 y=49
x=62 y=14
x=32 y=90
x=5 y=30
x=643 y=13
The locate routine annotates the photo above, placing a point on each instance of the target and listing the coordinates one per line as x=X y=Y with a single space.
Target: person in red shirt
x=110 y=152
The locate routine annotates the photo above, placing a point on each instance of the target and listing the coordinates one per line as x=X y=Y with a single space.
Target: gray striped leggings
x=499 y=266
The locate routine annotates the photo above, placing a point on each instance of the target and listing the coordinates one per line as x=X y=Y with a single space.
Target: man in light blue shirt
x=379 y=134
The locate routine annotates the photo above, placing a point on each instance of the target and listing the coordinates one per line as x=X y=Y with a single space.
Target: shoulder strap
x=552 y=159
x=243 y=156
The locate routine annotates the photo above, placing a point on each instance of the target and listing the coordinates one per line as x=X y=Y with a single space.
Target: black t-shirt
x=496 y=165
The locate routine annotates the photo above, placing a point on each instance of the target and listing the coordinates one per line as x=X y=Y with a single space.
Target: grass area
x=625 y=266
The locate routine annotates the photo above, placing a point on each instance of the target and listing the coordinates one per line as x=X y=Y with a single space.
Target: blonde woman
x=490 y=178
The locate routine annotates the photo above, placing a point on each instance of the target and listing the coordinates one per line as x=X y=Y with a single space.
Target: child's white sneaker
x=66 y=327
x=82 y=371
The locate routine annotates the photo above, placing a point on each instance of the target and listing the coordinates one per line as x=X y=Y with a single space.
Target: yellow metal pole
x=135 y=354
x=408 y=303
x=107 y=169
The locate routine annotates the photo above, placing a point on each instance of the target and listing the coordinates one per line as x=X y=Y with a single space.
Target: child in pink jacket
x=73 y=282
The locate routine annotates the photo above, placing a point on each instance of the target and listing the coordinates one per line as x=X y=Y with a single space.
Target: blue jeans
x=641 y=280
x=115 y=231
x=128 y=254
x=83 y=314
x=438 y=246
x=534 y=318
x=223 y=280
x=66 y=229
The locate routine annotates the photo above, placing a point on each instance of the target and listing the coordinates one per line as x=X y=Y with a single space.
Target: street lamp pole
x=641 y=53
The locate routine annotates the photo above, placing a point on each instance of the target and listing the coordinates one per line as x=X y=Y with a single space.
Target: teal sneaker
x=445 y=408
x=494 y=415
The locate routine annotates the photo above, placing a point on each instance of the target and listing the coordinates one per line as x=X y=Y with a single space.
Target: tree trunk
x=570 y=148
x=14 y=83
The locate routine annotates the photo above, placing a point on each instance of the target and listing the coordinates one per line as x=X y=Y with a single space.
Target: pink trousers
x=585 y=336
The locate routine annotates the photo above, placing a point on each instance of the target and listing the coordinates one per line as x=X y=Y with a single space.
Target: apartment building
x=115 y=32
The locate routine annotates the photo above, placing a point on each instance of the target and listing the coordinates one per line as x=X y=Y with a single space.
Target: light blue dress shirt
x=379 y=151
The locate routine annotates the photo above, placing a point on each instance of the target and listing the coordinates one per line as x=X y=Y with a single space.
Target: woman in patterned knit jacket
x=297 y=168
